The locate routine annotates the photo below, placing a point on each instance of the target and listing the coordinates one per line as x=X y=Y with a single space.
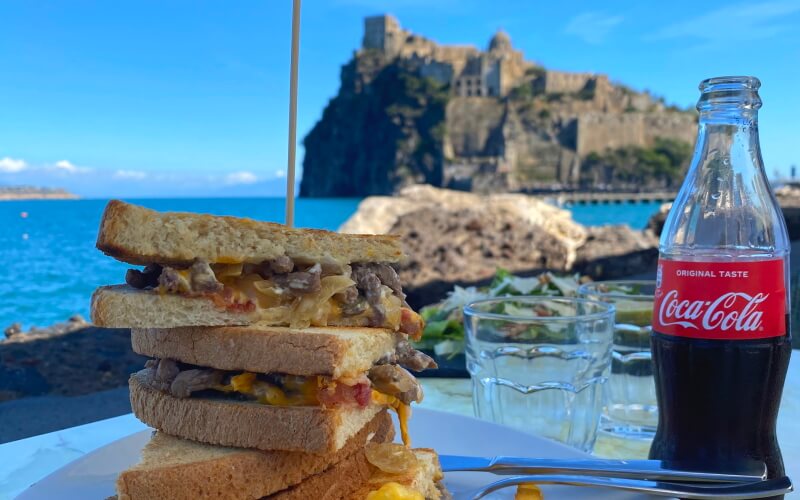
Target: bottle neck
x=727 y=141
x=726 y=207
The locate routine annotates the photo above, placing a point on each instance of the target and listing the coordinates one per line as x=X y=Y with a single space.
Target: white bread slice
x=181 y=469
x=339 y=482
x=121 y=306
x=138 y=235
x=244 y=424
x=424 y=479
x=331 y=351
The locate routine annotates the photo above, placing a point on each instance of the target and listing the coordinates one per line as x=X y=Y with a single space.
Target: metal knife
x=635 y=469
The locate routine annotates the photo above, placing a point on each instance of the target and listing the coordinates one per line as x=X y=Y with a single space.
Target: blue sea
x=51 y=267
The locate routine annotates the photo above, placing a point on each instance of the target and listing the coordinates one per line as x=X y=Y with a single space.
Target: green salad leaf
x=444 y=326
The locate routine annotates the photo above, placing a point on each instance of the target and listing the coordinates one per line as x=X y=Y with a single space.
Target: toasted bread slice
x=337 y=352
x=425 y=478
x=121 y=306
x=244 y=424
x=339 y=482
x=181 y=469
x=138 y=235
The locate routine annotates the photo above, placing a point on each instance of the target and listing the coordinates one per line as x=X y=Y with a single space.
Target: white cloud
x=280 y=174
x=243 y=177
x=12 y=165
x=70 y=168
x=66 y=166
x=734 y=23
x=135 y=175
x=592 y=27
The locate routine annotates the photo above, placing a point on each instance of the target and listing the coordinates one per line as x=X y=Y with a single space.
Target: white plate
x=92 y=476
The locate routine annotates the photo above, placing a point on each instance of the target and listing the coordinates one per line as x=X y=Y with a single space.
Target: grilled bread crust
x=244 y=424
x=330 y=351
x=181 y=469
x=139 y=235
x=122 y=306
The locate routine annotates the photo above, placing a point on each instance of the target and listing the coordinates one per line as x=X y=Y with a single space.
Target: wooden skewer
x=292 y=113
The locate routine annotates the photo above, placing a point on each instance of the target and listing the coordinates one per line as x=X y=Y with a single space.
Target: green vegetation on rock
x=661 y=165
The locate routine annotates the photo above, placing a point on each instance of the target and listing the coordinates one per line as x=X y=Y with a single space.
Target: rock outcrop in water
x=452 y=237
x=788 y=198
x=412 y=111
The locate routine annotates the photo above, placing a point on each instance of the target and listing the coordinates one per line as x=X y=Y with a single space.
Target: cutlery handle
x=637 y=469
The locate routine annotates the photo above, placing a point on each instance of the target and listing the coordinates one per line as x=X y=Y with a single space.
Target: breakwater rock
x=788 y=198
x=454 y=237
x=66 y=361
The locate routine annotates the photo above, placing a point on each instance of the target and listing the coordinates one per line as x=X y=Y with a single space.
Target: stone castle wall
x=562 y=82
x=469 y=71
x=600 y=131
x=383 y=33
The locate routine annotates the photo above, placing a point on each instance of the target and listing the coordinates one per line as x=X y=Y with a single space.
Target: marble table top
x=26 y=461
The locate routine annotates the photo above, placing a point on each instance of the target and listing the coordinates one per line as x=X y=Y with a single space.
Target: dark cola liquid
x=719 y=400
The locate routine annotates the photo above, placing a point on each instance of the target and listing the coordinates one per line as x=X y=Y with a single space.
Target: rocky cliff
x=412 y=111
x=383 y=131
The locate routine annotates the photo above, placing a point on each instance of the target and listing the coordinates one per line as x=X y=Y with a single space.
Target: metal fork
x=757 y=489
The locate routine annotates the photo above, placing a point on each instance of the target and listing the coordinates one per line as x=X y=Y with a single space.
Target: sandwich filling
x=183 y=380
x=385 y=383
x=282 y=291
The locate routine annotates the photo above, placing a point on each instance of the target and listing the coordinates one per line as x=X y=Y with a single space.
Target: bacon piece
x=341 y=394
x=225 y=300
x=411 y=323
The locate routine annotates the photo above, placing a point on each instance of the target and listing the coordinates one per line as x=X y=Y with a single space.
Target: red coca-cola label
x=720 y=300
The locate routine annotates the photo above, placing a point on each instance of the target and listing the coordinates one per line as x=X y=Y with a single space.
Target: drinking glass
x=631 y=408
x=539 y=364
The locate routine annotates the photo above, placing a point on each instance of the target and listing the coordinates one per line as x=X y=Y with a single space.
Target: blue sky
x=161 y=98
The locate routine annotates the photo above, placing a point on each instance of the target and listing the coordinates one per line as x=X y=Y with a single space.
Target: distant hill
x=8 y=193
x=412 y=111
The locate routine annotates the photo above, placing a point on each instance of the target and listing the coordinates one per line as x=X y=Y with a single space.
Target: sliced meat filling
x=166 y=376
x=287 y=292
x=395 y=381
x=408 y=357
x=183 y=380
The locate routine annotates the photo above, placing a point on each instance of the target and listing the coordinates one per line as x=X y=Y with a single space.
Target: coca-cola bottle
x=721 y=340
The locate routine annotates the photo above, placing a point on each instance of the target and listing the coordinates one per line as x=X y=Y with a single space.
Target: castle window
x=490 y=91
x=458 y=83
x=469 y=92
x=478 y=92
x=469 y=83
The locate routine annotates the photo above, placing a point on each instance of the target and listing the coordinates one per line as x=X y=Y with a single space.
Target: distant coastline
x=11 y=193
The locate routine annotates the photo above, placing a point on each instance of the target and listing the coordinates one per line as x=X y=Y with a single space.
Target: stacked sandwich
x=275 y=356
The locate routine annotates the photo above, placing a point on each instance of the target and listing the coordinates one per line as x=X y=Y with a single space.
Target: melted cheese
x=403 y=412
x=277 y=305
x=295 y=391
x=394 y=491
x=528 y=491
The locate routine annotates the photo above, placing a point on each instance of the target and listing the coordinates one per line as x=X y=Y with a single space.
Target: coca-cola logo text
x=728 y=300
x=737 y=311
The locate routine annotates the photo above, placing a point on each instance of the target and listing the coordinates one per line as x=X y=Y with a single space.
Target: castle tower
x=500 y=42
x=382 y=33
